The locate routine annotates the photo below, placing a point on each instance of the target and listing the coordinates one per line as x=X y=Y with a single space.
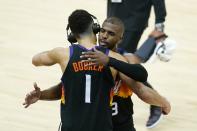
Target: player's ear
x=120 y=40
x=121 y=37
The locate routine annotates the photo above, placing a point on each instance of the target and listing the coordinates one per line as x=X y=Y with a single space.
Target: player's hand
x=158 y=35
x=95 y=57
x=33 y=96
x=166 y=108
x=164 y=50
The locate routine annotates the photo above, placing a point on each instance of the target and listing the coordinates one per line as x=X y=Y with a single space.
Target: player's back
x=86 y=104
x=122 y=106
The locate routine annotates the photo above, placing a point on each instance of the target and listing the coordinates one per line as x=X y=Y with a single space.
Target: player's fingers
x=27 y=105
x=36 y=86
x=164 y=113
x=96 y=50
x=33 y=93
x=91 y=53
x=85 y=56
x=88 y=53
x=88 y=56
x=24 y=103
x=166 y=110
x=28 y=96
x=92 y=60
x=89 y=60
x=84 y=61
x=91 y=64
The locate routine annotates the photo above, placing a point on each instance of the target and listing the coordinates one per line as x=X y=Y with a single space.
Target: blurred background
x=31 y=26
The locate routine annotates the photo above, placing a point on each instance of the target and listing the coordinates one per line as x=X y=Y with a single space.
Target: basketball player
x=110 y=35
x=86 y=88
x=54 y=93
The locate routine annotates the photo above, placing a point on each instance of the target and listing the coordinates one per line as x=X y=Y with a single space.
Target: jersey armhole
x=107 y=52
x=70 y=51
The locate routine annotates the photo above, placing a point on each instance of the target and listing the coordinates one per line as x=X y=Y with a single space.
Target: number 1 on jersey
x=88 y=89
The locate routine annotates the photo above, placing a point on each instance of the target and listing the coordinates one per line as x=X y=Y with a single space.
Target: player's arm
x=135 y=71
x=52 y=93
x=132 y=58
x=147 y=94
x=151 y=97
x=48 y=58
x=146 y=50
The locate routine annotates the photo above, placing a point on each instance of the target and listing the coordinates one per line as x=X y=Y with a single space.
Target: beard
x=103 y=44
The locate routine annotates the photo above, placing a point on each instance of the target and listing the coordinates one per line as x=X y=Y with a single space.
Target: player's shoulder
x=121 y=51
x=59 y=49
x=117 y=56
x=60 y=52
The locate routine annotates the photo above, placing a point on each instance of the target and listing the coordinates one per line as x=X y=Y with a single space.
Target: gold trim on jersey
x=121 y=89
x=62 y=96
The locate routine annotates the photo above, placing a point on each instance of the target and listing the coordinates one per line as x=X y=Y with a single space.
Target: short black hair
x=115 y=21
x=79 y=21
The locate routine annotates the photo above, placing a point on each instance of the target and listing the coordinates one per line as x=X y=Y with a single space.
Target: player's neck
x=114 y=49
x=87 y=41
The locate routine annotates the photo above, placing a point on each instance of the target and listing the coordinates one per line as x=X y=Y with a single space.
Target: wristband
x=134 y=71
